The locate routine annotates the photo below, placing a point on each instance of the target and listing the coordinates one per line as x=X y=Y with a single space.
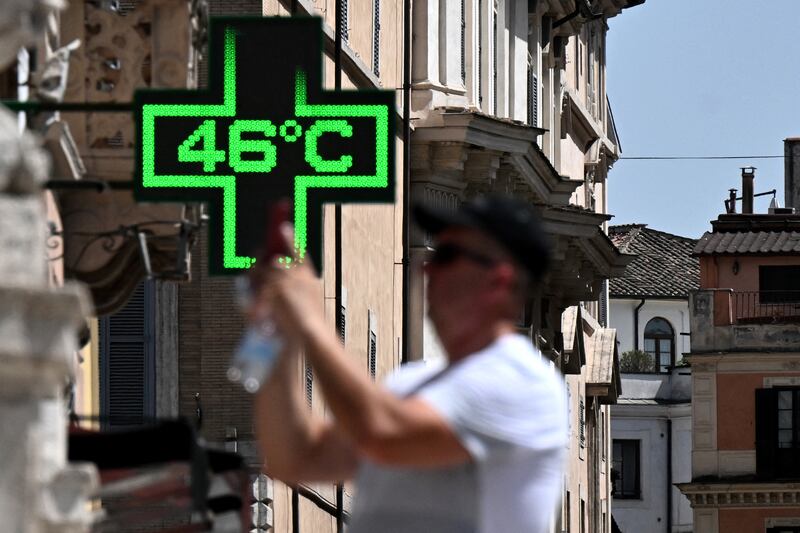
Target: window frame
x=657 y=337
x=774 y=462
x=618 y=467
x=769 y=293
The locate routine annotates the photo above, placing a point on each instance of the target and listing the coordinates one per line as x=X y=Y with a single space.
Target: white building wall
x=650 y=423
x=648 y=514
x=676 y=312
x=682 y=519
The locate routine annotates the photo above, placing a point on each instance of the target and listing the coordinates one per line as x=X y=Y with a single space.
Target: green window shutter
x=766 y=431
x=127 y=361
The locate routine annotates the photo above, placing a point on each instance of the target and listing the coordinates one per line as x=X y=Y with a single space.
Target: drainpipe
x=669 y=472
x=404 y=357
x=636 y=325
x=337 y=84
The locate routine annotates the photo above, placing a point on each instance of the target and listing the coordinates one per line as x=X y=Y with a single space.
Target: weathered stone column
x=39 y=492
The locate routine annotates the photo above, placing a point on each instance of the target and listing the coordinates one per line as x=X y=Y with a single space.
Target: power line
x=698 y=157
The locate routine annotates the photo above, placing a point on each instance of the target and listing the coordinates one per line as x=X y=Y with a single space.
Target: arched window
x=659 y=344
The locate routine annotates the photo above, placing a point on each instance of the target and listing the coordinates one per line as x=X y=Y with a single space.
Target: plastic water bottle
x=259 y=349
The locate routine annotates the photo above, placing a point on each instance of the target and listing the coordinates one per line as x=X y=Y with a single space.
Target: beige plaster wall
x=747 y=277
x=736 y=408
x=751 y=520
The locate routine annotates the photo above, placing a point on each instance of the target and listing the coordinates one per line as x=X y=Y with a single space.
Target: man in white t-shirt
x=474 y=444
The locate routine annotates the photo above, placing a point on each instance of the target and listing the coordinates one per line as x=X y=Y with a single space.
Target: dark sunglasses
x=445 y=254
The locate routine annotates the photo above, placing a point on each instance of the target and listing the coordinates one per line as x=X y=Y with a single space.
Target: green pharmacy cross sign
x=262 y=132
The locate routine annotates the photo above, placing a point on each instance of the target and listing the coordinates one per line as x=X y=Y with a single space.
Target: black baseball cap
x=513 y=223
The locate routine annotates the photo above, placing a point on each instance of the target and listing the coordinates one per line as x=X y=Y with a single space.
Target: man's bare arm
x=386 y=429
x=296 y=445
x=383 y=427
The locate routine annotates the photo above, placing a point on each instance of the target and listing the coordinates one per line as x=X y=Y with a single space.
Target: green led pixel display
x=263 y=131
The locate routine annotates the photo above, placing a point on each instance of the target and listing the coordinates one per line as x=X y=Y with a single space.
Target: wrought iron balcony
x=765 y=307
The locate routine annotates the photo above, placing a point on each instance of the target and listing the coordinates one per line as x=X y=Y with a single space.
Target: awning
x=602 y=361
x=574 y=353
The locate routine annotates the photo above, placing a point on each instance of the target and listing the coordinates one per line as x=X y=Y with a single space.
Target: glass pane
x=785 y=399
x=785 y=438
x=784 y=419
x=657 y=327
x=665 y=346
x=650 y=345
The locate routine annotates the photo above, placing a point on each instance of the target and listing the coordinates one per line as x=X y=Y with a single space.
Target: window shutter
x=376 y=37
x=533 y=94
x=494 y=59
x=372 y=347
x=127 y=361
x=480 y=54
x=373 y=354
x=345 y=28
x=604 y=304
x=309 y=379
x=582 y=429
x=464 y=42
x=342 y=324
x=766 y=430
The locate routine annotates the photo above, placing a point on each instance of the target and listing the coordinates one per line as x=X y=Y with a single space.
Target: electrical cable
x=699 y=157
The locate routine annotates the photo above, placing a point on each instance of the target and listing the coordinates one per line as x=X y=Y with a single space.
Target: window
x=582 y=422
x=625 y=469
x=127 y=361
x=779 y=284
x=591 y=91
x=309 y=379
x=480 y=54
x=343 y=6
x=603 y=443
x=341 y=319
x=533 y=93
x=373 y=354
x=659 y=340
x=372 y=345
x=778 y=433
x=494 y=59
x=376 y=37
x=463 y=42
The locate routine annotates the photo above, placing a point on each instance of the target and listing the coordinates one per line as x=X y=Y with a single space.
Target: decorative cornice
x=717 y=495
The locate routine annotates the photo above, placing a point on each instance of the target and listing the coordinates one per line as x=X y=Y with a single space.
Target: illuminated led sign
x=263 y=131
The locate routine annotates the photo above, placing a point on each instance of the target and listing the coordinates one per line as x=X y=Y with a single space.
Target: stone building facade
x=745 y=360
x=510 y=97
x=651 y=423
x=504 y=97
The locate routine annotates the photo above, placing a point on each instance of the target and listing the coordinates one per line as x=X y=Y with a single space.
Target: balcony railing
x=765 y=307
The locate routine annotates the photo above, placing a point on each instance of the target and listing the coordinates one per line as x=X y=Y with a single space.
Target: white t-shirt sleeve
x=496 y=404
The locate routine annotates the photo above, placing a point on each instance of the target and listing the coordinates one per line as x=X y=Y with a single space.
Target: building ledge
x=740 y=492
x=515 y=144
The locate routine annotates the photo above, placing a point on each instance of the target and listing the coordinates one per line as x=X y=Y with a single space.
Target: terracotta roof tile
x=664 y=266
x=749 y=242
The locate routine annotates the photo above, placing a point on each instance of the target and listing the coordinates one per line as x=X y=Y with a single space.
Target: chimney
x=791 y=188
x=748 y=175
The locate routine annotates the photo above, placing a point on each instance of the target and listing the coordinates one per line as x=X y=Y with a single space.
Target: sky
x=700 y=78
